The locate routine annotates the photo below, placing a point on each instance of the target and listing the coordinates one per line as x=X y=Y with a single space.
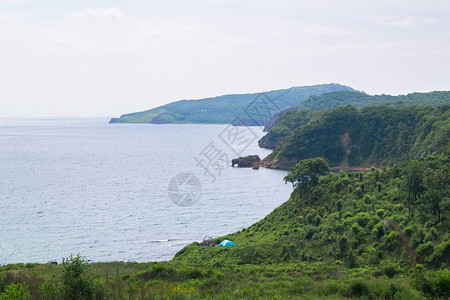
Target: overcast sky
x=106 y=58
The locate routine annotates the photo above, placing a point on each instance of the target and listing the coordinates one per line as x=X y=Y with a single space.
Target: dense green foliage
x=344 y=221
x=287 y=123
x=313 y=107
x=335 y=242
x=344 y=227
x=343 y=98
x=375 y=135
x=76 y=282
x=225 y=109
x=17 y=291
x=305 y=175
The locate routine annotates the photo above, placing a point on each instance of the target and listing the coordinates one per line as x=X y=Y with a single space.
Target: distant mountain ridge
x=238 y=109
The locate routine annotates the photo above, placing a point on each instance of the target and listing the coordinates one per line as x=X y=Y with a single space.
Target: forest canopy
x=370 y=136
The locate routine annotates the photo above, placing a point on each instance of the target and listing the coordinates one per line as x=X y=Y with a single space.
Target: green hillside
x=284 y=123
x=342 y=215
x=360 y=99
x=350 y=225
x=225 y=109
x=369 y=136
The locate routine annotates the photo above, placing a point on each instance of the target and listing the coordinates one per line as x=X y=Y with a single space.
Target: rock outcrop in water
x=250 y=161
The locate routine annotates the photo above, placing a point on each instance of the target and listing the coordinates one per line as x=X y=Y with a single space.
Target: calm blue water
x=84 y=186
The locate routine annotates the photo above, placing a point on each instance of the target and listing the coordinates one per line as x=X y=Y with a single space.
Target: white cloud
x=430 y=21
x=98 y=13
x=405 y=22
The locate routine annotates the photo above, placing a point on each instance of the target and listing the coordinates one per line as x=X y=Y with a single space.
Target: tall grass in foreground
x=140 y=281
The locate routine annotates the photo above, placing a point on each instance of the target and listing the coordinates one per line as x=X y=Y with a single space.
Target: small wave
x=163 y=241
x=159 y=241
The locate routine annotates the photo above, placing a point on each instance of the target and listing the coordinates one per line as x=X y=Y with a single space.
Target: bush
x=356 y=229
x=436 y=284
x=339 y=204
x=49 y=291
x=76 y=281
x=380 y=213
x=441 y=254
x=424 y=250
x=378 y=230
x=358 y=192
x=362 y=219
x=16 y=291
x=409 y=231
x=163 y=271
x=358 y=288
x=390 y=270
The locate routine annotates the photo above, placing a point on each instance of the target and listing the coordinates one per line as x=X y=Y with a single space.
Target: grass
x=169 y=280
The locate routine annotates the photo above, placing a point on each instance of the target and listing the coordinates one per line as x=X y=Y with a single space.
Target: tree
x=77 y=282
x=413 y=183
x=436 y=198
x=304 y=176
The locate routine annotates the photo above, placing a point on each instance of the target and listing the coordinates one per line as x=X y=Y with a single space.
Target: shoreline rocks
x=249 y=161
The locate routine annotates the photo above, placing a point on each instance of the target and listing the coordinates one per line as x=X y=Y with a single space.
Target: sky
x=98 y=58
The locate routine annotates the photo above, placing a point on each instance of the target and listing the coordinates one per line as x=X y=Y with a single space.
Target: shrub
x=358 y=288
x=30 y=265
x=380 y=213
x=163 y=271
x=358 y=192
x=441 y=254
x=339 y=204
x=76 y=281
x=346 y=215
x=409 y=231
x=192 y=273
x=378 y=230
x=390 y=270
x=309 y=234
x=49 y=291
x=342 y=244
x=362 y=219
x=436 y=284
x=16 y=291
x=424 y=250
x=356 y=229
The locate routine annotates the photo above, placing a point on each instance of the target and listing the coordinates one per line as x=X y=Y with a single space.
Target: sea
x=125 y=192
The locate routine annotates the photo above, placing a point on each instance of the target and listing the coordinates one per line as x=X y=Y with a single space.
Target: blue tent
x=227 y=243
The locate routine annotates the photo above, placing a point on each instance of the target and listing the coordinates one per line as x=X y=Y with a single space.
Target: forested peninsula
x=235 y=108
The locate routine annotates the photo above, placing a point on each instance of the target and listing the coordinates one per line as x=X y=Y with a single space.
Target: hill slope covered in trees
x=225 y=109
x=356 y=99
x=282 y=124
x=364 y=224
x=369 y=136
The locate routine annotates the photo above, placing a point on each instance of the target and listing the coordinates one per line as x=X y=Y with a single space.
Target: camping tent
x=227 y=243
x=208 y=241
